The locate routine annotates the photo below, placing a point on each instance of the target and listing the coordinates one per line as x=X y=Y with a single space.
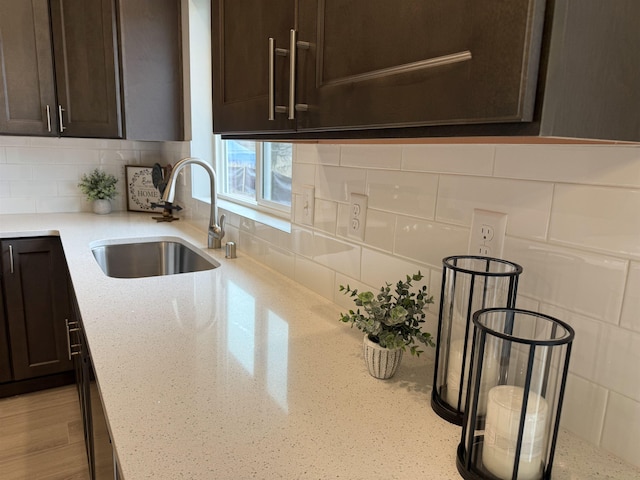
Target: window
x=257 y=174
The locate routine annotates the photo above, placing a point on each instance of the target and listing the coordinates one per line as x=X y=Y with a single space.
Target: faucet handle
x=222 y=220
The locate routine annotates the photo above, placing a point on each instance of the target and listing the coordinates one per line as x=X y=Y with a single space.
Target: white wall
x=41 y=175
x=573 y=224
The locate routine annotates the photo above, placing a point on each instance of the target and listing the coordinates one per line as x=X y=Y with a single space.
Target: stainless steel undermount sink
x=150 y=257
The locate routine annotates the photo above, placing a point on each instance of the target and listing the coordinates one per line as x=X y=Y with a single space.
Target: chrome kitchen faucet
x=216 y=232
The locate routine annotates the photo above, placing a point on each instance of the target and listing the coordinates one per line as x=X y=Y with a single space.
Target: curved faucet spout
x=215 y=231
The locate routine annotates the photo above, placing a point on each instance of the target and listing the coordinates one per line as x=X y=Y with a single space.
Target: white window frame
x=260 y=203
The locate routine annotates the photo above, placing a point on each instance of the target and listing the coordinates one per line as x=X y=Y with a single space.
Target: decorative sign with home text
x=141 y=192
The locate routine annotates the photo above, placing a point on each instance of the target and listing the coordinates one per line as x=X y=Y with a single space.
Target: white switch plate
x=487 y=233
x=357 y=216
x=308 y=205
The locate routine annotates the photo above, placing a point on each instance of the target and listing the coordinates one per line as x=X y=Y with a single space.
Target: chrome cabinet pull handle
x=60 y=110
x=272 y=79
x=11 y=268
x=70 y=346
x=292 y=73
x=66 y=323
x=273 y=52
x=295 y=44
x=48 y=118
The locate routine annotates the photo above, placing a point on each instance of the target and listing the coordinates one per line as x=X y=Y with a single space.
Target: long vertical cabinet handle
x=273 y=52
x=11 y=268
x=295 y=45
x=71 y=327
x=292 y=73
x=272 y=79
x=60 y=122
x=48 y=118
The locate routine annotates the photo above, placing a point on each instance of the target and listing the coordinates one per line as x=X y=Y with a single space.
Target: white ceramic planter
x=381 y=362
x=102 y=207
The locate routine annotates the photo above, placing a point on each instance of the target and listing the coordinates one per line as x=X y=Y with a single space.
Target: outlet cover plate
x=487 y=233
x=357 y=216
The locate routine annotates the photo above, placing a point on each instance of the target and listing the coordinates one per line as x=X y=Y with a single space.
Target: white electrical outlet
x=357 y=216
x=308 y=205
x=487 y=233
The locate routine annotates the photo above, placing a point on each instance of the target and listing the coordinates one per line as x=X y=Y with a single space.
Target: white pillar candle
x=501 y=433
x=490 y=371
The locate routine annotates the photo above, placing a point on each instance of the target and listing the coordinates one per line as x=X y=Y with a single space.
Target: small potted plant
x=391 y=321
x=100 y=188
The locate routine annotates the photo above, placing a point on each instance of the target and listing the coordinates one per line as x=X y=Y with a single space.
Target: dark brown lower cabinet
x=33 y=335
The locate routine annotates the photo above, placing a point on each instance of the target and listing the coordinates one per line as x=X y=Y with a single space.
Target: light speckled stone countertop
x=240 y=373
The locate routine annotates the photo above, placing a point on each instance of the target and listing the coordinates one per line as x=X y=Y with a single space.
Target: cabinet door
x=240 y=61
x=5 y=360
x=151 y=58
x=26 y=68
x=375 y=63
x=37 y=304
x=84 y=45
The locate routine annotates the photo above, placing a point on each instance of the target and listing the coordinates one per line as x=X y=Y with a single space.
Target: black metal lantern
x=518 y=373
x=469 y=284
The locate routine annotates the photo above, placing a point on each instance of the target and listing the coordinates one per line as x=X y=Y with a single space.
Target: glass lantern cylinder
x=518 y=373
x=469 y=283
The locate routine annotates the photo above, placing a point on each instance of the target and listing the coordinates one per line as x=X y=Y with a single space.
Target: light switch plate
x=308 y=205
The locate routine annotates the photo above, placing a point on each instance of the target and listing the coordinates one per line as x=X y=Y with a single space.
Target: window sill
x=261 y=217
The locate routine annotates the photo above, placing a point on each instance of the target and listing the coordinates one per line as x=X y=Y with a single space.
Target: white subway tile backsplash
x=586 y=403
x=380 y=268
x=464 y=159
x=11 y=171
x=52 y=156
x=280 y=260
x=379 y=230
x=630 y=317
x=622 y=428
x=337 y=183
x=3 y=155
x=60 y=204
x=604 y=218
x=371 y=156
x=340 y=256
x=603 y=354
x=586 y=164
x=527 y=204
x=35 y=188
x=429 y=242
x=303 y=175
x=314 y=276
x=325 y=216
x=17 y=205
x=587 y=283
x=302 y=241
x=328 y=154
x=408 y=193
x=304 y=153
x=60 y=172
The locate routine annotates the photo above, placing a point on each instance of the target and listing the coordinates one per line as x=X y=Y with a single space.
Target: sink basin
x=149 y=258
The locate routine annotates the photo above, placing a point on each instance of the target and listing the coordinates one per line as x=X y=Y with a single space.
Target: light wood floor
x=41 y=436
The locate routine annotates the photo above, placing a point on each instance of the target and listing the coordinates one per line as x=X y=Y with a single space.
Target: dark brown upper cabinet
x=37 y=303
x=84 y=45
x=427 y=68
x=27 y=93
x=244 y=62
x=102 y=70
x=151 y=59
